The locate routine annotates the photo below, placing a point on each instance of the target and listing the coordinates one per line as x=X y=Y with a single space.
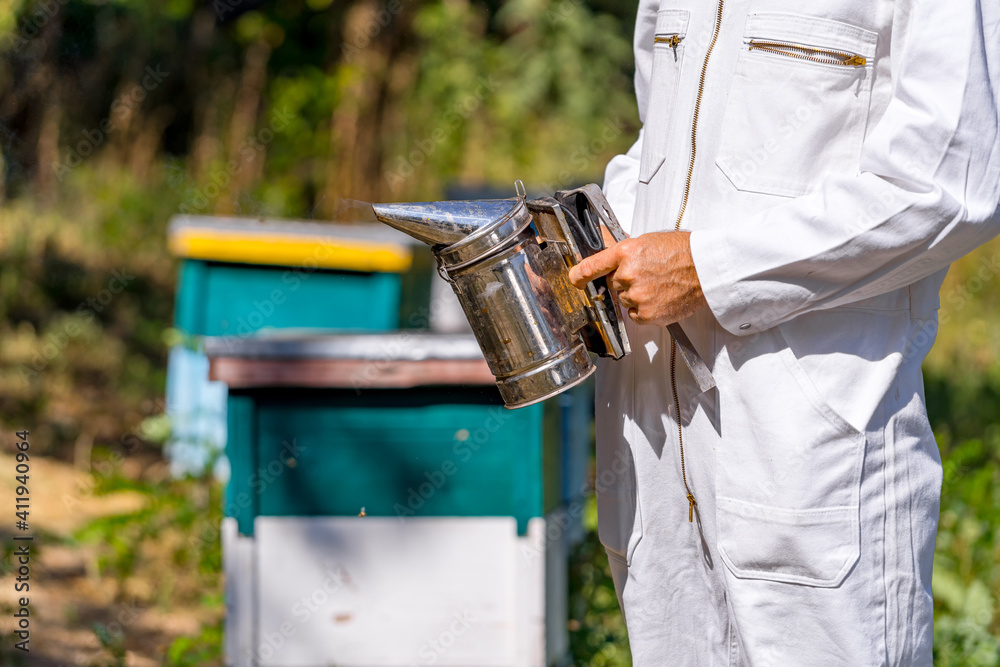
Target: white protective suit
x=827 y=197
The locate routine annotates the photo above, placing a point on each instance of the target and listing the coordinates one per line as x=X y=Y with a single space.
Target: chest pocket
x=668 y=58
x=798 y=104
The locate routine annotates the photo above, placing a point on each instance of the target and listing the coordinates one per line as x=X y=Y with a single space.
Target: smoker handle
x=699 y=370
x=600 y=204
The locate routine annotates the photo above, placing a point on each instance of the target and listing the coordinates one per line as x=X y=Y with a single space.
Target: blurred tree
x=376 y=99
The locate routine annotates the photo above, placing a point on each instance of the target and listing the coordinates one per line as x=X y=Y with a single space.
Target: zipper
x=824 y=56
x=673 y=41
x=677 y=225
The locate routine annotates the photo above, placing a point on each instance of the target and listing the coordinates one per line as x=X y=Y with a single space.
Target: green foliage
x=177 y=527
x=962 y=385
x=597 y=629
x=545 y=98
x=172 y=541
x=966 y=581
x=85 y=295
x=112 y=647
x=202 y=649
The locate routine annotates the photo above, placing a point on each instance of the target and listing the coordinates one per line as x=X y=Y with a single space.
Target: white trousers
x=685 y=601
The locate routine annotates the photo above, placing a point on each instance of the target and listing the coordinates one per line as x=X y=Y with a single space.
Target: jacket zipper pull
x=855 y=61
x=670 y=40
x=691 y=503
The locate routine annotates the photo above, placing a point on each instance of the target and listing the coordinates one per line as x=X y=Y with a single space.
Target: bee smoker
x=508 y=261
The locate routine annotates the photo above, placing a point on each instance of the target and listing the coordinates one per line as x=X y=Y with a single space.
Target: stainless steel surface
x=445 y=222
x=603 y=310
x=525 y=315
x=553 y=377
x=512 y=301
x=600 y=204
x=523 y=311
x=489 y=239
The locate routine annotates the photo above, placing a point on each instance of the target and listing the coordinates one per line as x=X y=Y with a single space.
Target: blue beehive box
x=380 y=459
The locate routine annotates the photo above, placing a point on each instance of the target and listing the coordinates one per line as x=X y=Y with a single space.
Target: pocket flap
x=816 y=547
x=672 y=22
x=663 y=84
x=793 y=120
x=812 y=31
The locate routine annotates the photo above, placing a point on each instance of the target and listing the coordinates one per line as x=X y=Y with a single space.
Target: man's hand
x=653 y=274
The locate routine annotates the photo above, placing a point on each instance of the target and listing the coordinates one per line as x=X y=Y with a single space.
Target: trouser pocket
x=788 y=473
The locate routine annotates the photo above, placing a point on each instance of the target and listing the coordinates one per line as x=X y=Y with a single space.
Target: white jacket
x=821 y=188
x=823 y=185
x=828 y=195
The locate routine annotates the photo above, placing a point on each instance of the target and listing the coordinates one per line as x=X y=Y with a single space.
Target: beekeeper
x=805 y=174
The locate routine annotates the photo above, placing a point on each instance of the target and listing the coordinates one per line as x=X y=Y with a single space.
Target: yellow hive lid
x=328 y=245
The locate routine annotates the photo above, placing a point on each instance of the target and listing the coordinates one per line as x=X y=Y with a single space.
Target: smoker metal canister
x=517 y=298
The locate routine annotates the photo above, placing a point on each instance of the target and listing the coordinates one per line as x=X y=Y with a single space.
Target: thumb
x=595 y=266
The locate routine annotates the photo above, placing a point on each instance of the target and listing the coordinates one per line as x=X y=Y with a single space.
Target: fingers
x=626 y=301
x=595 y=266
x=633 y=312
x=631 y=308
x=636 y=316
x=616 y=283
x=638 y=307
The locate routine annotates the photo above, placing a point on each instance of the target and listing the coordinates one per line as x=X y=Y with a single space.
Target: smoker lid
x=489 y=240
x=445 y=223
